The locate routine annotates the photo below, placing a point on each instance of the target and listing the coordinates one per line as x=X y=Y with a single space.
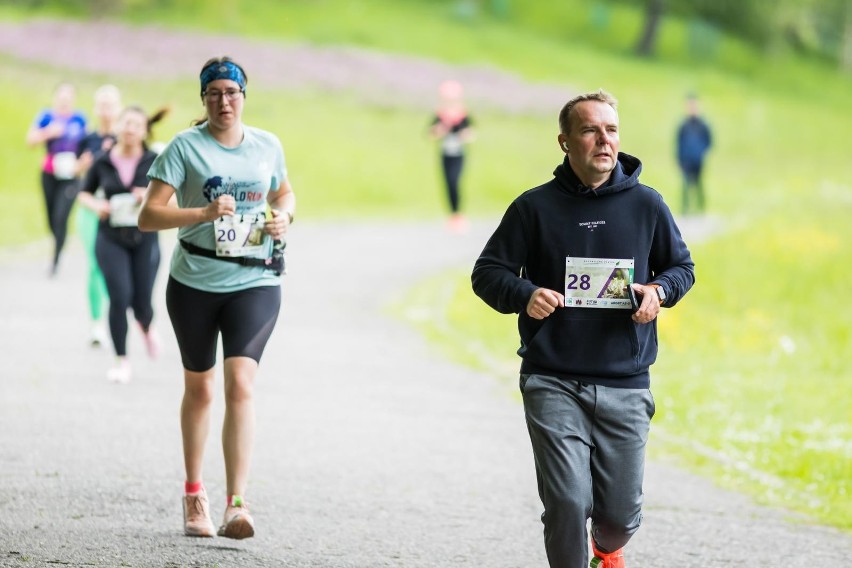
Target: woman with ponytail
x=234 y=205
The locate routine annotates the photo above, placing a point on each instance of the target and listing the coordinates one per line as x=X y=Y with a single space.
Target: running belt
x=275 y=262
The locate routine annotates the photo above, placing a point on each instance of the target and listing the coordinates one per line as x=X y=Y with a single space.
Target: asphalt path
x=372 y=450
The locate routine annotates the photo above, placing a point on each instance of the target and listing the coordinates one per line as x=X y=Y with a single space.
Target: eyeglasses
x=230 y=94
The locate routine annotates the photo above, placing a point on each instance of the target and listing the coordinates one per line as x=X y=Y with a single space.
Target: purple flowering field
x=149 y=51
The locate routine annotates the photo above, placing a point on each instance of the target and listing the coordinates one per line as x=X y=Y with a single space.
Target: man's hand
x=544 y=302
x=649 y=305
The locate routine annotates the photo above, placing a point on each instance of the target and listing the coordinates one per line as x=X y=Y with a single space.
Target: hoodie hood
x=624 y=176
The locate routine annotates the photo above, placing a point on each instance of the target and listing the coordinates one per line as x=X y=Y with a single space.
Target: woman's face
x=131 y=128
x=107 y=107
x=64 y=98
x=223 y=100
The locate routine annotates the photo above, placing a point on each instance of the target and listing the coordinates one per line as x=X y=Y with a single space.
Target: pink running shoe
x=237 y=523
x=196 y=516
x=152 y=340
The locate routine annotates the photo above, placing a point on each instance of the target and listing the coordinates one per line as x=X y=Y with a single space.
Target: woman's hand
x=101 y=209
x=53 y=130
x=277 y=226
x=138 y=193
x=221 y=206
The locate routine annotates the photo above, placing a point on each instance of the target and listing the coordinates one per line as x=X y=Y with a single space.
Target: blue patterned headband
x=223 y=70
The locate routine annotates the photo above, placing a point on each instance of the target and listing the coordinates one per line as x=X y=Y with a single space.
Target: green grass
x=731 y=400
x=345 y=159
x=751 y=386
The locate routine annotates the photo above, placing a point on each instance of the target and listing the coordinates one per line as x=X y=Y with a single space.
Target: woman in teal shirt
x=224 y=175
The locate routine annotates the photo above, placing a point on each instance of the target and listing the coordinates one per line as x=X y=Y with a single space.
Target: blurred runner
x=60 y=128
x=107 y=108
x=128 y=258
x=452 y=126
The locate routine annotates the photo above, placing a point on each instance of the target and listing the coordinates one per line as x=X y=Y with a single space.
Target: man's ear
x=563 y=142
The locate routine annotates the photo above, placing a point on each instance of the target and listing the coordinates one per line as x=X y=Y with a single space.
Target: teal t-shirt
x=201 y=169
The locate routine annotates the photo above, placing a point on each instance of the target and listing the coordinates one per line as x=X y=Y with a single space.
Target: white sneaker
x=98 y=335
x=120 y=373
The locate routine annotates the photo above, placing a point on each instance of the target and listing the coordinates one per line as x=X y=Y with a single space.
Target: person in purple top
x=60 y=128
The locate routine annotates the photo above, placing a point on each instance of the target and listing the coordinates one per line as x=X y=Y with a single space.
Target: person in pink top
x=452 y=126
x=128 y=258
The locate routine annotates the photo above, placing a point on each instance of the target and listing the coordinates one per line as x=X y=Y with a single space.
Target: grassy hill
x=751 y=385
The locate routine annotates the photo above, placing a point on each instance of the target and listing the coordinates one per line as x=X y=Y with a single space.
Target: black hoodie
x=564 y=218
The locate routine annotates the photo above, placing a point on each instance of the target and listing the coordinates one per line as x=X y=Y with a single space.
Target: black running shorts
x=245 y=319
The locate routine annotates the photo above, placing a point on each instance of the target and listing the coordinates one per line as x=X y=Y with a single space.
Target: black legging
x=59 y=195
x=452 y=172
x=129 y=271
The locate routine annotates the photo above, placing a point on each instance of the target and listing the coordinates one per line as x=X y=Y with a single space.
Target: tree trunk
x=653 y=14
x=846 y=41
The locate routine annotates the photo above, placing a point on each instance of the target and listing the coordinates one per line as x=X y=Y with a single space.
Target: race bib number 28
x=598 y=282
x=239 y=235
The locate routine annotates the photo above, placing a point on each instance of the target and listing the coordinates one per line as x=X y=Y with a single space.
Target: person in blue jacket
x=567 y=256
x=693 y=142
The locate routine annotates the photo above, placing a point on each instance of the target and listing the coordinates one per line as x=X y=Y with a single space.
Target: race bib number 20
x=239 y=235
x=598 y=282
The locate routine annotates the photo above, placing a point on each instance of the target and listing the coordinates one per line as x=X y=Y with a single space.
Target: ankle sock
x=192 y=488
x=235 y=500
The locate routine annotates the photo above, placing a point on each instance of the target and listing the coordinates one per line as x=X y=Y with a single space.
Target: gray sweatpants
x=589 y=447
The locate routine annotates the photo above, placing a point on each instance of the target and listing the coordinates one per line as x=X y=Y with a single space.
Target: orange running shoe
x=607 y=560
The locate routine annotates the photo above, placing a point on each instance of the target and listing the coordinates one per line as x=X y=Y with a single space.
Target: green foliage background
x=751 y=384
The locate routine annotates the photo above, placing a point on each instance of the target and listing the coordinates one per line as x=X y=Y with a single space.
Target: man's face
x=592 y=142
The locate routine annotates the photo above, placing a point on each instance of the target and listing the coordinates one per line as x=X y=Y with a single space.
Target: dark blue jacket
x=562 y=218
x=693 y=141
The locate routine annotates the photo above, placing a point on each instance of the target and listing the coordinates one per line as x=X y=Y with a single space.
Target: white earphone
x=565 y=145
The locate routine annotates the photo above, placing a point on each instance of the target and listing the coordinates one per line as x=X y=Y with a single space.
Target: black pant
x=129 y=271
x=452 y=173
x=59 y=195
x=692 y=184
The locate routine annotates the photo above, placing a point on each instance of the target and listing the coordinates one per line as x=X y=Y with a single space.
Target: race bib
x=65 y=165
x=452 y=144
x=239 y=235
x=598 y=282
x=124 y=210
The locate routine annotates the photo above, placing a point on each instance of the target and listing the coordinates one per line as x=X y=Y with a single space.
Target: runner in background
x=224 y=277
x=60 y=128
x=107 y=108
x=694 y=140
x=452 y=126
x=127 y=257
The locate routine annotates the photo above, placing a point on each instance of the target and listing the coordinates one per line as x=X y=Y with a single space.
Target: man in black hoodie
x=587 y=260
